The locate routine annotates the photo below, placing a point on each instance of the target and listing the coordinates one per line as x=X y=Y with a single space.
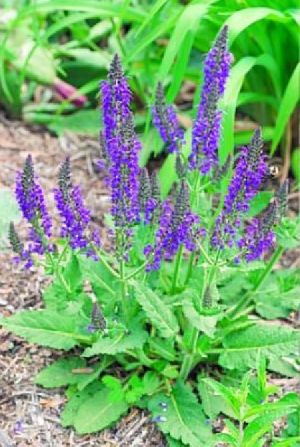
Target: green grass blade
x=150 y=16
x=240 y=20
x=230 y=99
x=103 y=9
x=287 y=106
x=188 y=20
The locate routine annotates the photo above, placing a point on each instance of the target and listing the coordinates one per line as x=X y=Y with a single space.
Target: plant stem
x=188 y=359
x=106 y=264
x=177 y=269
x=138 y=270
x=123 y=291
x=246 y=300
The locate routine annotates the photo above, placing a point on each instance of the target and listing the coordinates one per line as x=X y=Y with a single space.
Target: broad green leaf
x=184 y=418
x=286 y=108
x=98 y=412
x=241 y=347
x=255 y=430
x=160 y=315
x=9 y=212
x=82 y=122
x=213 y=404
x=76 y=399
x=288 y=403
x=101 y=8
x=60 y=373
x=47 y=328
x=228 y=394
x=286 y=365
x=240 y=20
x=204 y=323
x=119 y=343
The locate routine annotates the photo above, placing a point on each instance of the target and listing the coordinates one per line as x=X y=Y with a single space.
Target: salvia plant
x=174 y=293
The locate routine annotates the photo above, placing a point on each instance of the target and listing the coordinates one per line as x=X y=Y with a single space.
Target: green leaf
x=187 y=21
x=287 y=105
x=286 y=365
x=82 y=122
x=76 y=400
x=230 y=99
x=98 y=412
x=184 y=418
x=295 y=164
x=259 y=203
x=60 y=373
x=156 y=310
x=291 y=442
x=227 y=394
x=204 y=323
x=46 y=328
x=119 y=343
x=240 y=20
x=241 y=347
x=213 y=404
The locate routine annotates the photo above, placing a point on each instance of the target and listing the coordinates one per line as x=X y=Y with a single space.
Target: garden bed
x=29 y=415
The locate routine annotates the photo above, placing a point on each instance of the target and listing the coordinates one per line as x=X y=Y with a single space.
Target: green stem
x=188 y=359
x=177 y=269
x=123 y=291
x=106 y=264
x=246 y=300
x=138 y=270
x=190 y=267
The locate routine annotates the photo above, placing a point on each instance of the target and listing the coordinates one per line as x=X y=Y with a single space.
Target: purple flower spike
x=249 y=173
x=166 y=122
x=178 y=226
x=122 y=150
x=30 y=198
x=259 y=237
x=206 y=129
x=73 y=213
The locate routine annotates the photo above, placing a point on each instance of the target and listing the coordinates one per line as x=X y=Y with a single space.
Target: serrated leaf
x=204 y=323
x=98 y=412
x=71 y=408
x=241 y=347
x=157 y=311
x=47 y=328
x=60 y=373
x=227 y=394
x=118 y=343
x=185 y=420
x=213 y=404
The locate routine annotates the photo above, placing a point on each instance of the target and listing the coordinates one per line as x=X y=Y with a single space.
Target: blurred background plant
x=54 y=53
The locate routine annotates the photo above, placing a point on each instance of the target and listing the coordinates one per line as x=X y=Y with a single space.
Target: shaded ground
x=29 y=415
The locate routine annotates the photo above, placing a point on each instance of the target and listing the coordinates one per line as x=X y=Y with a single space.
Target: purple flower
x=121 y=147
x=23 y=255
x=73 y=213
x=177 y=226
x=248 y=176
x=165 y=120
x=206 y=129
x=259 y=236
x=30 y=198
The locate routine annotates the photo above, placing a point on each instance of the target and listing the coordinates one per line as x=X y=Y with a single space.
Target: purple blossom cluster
x=207 y=126
x=121 y=147
x=166 y=122
x=178 y=226
x=149 y=196
x=74 y=215
x=249 y=173
x=30 y=198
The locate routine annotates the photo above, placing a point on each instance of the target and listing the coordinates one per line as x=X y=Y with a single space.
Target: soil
x=29 y=415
